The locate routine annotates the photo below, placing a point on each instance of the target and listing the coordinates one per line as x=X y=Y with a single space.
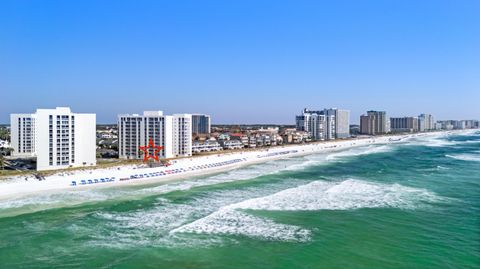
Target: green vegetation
x=4 y=134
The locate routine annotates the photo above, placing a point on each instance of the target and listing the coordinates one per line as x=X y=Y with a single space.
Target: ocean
x=409 y=205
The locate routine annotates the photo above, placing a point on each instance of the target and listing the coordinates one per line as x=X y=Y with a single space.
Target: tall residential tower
x=319 y=124
x=342 y=121
x=57 y=137
x=200 y=124
x=173 y=133
x=375 y=122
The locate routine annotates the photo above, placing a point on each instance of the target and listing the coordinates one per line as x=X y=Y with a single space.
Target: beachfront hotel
x=404 y=124
x=374 y=123
x=320 y=125
x=342 y=121
x=57 y=137
x=201 y=124
x=426 y=122
x=325 y=124
x=173 y=133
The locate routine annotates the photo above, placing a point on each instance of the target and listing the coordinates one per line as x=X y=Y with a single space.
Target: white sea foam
x=441 y=140
x=317 y=195
x=464 y=157
x=348 y=194
x=439 y=167
x=48 y=200
x=234 y=222
x=305 y=161
x=433 y=141
x=152 y=226
x=359 y=151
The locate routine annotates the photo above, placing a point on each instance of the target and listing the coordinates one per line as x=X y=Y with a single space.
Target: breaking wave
x=318 y=195
x=360 y=151
x=464 y=157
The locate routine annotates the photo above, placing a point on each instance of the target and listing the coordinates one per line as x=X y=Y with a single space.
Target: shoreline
x=185 y=168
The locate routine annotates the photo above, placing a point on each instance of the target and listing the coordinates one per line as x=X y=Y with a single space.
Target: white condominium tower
x=173 y=133
x=57 y=137
x=426 y=122
x=319 y=124
x=182 y=135
x=200 y=124
x=342 y=121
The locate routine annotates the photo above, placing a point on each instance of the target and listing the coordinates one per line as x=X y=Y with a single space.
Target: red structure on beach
x=147 y=155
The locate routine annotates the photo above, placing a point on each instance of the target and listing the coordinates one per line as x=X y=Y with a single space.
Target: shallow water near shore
x=408 y=205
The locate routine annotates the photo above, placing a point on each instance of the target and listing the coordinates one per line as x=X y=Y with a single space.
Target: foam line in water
x=359 y=151
x=152 y=226
x=317 y=195
x=228 y=221
x=464 y=157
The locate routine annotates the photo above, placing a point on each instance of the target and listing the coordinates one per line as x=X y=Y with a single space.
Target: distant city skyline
x=241 y=62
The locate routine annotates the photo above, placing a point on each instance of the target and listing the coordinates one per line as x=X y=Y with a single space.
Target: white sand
x=186 y=167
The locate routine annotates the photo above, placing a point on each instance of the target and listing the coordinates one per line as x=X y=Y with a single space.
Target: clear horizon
x=242 y=62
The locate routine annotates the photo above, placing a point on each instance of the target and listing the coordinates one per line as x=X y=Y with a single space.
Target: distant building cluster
x=377 y=123
x=457 y=124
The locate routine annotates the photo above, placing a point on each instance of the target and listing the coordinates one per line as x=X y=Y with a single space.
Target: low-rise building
x=241 y=137
x=231 y=144
x=206 y=146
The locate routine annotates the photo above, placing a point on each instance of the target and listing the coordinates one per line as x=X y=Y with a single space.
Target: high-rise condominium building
x=318 y=124
x=404 y=124
x=200 y=124
x=182 y=135
x=375 y=122
x=342 y=121
x=57 y=137
x=173 y=133
x=426 y=122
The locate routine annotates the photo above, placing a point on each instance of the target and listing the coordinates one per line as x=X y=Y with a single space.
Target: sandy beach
x=180 y=168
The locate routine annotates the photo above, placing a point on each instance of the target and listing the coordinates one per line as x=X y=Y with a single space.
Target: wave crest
x=318 y=195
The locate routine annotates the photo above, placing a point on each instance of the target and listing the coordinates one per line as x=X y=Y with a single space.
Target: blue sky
x=241 y=61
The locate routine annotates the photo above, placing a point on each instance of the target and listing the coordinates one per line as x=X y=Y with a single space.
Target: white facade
x=206 y=146
x=173 y=133
x=182 y=135
x=426 y=122
x=57 y=137
x=319 y=124
x=342 y=122
x=23 y=139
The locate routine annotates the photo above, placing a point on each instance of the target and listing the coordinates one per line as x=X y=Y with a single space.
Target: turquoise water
x=410 y=205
